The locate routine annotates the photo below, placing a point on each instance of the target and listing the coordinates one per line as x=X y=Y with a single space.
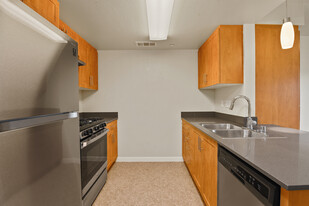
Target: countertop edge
x=111 y=120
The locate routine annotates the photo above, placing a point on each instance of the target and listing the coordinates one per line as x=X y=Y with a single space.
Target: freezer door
x=38 y=75
x=40 y=165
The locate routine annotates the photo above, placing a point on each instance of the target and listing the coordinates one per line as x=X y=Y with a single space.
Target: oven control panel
x=92 y=130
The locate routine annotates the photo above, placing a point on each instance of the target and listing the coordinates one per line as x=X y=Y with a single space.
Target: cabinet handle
x=199 y=143
x=91 y=80
x=205 y=78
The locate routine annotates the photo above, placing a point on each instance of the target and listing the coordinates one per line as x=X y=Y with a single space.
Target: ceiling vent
x=145 y=44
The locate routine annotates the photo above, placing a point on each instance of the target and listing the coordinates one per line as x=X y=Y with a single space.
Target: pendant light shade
x=287 y=34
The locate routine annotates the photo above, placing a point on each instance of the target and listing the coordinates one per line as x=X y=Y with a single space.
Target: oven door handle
x=89 y=142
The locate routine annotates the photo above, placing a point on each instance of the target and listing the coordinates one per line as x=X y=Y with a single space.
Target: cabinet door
x=49 y=9
x=189 y=148
x=186 y=138
x=183 y=143
x=202 y=66
x=112 y=144
x=92 y=57
x=66 y=29
x=209 y=150
x=115 y=143
x=212 y=59
x=109 y=146
x=83 y=71
x=199 y=172
x=231 y=54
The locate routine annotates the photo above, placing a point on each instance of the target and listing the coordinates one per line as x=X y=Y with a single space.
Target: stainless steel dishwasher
x=241 y=185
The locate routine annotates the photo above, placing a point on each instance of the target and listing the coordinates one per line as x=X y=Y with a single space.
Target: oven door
x=93 y=159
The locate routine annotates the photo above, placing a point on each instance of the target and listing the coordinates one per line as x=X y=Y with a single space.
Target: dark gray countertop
x=108 y=116
x=284 y=160
x=110 y=119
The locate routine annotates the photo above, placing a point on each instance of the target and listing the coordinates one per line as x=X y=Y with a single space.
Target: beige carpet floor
x=145 y=184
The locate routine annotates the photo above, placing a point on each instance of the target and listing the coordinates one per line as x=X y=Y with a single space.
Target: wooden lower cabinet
x=200 y=153
x=294 y=198
x=112 y=144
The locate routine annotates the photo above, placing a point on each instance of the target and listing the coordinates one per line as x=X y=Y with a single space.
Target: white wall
x=223 y=96
x=148 y=89
x=304 y=83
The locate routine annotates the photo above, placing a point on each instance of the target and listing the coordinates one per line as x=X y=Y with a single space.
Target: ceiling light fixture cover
x=159 y=14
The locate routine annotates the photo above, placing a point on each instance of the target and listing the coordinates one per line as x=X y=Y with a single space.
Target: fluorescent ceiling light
x=21 y=15
x=159 y=14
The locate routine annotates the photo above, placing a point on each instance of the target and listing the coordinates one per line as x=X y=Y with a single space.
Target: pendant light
x=287 y=32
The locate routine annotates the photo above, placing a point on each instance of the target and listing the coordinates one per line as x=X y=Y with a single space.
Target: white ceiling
x=117 y=24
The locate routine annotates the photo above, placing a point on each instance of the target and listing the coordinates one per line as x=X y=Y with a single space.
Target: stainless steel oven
x=93 y=161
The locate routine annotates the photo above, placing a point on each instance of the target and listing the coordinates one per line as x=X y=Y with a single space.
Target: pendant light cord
x=286 y=8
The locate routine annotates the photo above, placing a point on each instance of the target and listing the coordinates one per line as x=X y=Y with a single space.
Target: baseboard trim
x=149 y=159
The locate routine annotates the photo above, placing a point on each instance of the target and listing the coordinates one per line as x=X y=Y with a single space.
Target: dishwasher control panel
x=253 y=181
x=262 y=187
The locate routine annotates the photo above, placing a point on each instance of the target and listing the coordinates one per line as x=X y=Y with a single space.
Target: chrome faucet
x=250 y=121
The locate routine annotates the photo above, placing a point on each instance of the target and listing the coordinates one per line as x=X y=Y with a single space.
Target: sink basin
x=219 y=126
x=244 y=133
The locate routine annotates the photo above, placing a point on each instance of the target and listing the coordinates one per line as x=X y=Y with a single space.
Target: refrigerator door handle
x=15 y=124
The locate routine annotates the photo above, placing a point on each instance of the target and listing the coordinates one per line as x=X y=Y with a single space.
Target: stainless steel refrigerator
x=39 y=129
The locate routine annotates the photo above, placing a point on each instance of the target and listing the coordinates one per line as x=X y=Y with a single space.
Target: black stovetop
x=85 y=123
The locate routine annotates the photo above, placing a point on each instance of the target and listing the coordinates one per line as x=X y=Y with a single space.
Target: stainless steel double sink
x=228 y=131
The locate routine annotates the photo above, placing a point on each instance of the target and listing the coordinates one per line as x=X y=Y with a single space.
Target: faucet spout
x=241 y=97
x=250 y=122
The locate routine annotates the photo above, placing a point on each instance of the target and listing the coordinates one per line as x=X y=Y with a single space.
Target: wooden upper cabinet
x=83 y=71
x=49 y=9
x=66 y=29
x=220 y=58
x=92 y=60
x=88 y=74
